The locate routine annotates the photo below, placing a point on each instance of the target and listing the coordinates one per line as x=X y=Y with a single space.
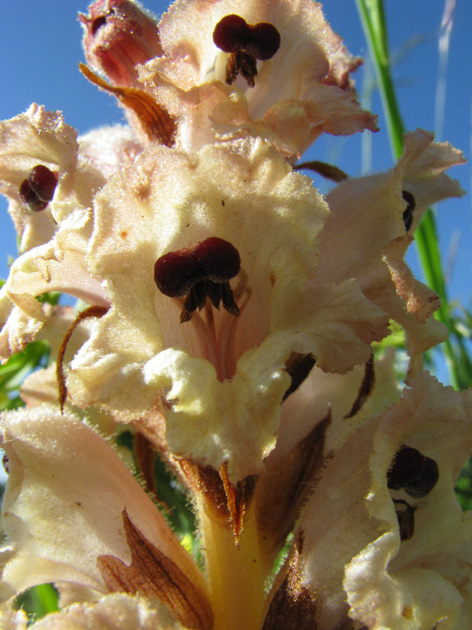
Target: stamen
x=231 y=33
x=199 y=271
x=209 y=342
x=406 y=467
x=406 y=518
x=229 y=326
x=241 y=63
x=38 y=190
x=246 y=43
x=408 y=213
x=429 y=477
x=413 y=472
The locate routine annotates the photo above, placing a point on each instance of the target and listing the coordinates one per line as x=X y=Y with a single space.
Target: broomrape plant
x=229 y=327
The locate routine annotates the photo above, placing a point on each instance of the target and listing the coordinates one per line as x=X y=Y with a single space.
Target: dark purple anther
x=246 y=43
x=407 y=466
x=417 y=474
x=5 y=461
x=231 y=33
x=38 y=190
x=421 y=487
x=408 y=212
x=199 y=271
x=265 y=41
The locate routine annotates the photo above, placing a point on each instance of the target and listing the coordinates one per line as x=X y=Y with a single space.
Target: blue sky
x=40 y=47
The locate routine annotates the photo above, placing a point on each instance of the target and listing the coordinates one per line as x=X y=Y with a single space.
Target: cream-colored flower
x=219 y=368
x=372 y=221
x=50 y=178
x=383 y=540
x=277 y=70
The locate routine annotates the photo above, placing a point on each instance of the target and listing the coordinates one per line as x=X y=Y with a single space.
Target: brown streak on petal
x=154 y=575
x=236 y=509
x=328 y=171
x=92 y=311
x=206 y=482
x=292 y=607
x=238 y=498
x=157 y=123
x=225 y=500
x=365 y=389
x=285 y=486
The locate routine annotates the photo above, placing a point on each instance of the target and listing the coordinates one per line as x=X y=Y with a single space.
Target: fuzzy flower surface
x=292 y=92
x=218 y=441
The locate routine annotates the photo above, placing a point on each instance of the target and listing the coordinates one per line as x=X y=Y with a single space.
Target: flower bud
x=118 y=35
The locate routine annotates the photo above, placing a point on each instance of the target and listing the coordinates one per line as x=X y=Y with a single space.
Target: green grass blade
x=457 y=358
x=39 y=601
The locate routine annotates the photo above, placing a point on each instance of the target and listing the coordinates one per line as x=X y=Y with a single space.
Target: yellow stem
x=235 y=573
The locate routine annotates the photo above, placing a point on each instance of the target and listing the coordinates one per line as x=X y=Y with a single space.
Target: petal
x=366 y=212
x=365 y=222
x=340 y=322
x=425 y=176
x=112 y=612
x=335 y=525
x=109 y=148
x=55 y=266
x=18 y=328
x=324 y=394
x=117 y=37
x=212 y=422
x=12 y=619
x=316 y=421
x=55 y=240
x=62 y=508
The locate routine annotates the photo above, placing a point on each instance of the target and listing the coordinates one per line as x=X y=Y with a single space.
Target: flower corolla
x=225 y=345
